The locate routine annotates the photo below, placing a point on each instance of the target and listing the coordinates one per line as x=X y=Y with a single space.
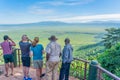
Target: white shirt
x=54 y=50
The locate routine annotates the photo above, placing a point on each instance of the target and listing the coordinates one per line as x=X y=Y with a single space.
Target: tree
x=110 y=59
x=111 y=38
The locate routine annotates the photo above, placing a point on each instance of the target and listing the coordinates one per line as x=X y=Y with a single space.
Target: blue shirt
x=67 y=54
x=37 y=52
x=25 y=48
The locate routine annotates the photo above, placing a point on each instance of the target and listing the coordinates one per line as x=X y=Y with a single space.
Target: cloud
x=49 y=7
x=40 y=11
x=90 y=18
x=65 y=2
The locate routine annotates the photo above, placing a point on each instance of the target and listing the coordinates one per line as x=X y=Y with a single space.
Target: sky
x=30 y=11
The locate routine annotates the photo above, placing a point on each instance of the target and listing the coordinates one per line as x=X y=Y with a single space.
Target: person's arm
x=30 y=40
x=43 y=51
x=70 y=56
x=31 y=53
x=13 y=43
x=67 y=53
x=60 y=52
x=47 y=57
x=48 y=51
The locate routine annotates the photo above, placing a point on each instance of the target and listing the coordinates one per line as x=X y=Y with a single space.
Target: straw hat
x=53 y=38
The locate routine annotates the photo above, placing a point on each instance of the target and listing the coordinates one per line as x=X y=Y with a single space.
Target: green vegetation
x=87 y=43
x=79 y=36
x=110 y=57
x=112 y=37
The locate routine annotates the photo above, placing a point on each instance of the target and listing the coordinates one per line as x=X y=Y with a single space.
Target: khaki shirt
x=54 y=50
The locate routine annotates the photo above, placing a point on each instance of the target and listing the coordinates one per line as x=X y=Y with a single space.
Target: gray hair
x=24 y=37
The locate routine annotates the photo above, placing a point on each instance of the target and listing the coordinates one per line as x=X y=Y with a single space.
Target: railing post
x=85 y=71
x=15 y=57
x=93 y=70
x=19 y=56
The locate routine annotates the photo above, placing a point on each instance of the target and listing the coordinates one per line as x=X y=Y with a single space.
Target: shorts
x=38 y=64
x=26 y=61
x=8 y=58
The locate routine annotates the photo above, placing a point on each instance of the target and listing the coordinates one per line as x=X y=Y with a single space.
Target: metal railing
x=103 y=74
x=79 y=68
x=18 y=51
x=1 y=57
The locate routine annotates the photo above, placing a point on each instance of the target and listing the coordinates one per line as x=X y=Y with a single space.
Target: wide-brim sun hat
x=53 y=37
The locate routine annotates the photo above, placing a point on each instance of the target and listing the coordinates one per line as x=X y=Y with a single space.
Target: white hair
x=24 y=37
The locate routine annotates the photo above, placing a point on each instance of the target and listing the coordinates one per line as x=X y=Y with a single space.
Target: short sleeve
x=48 y=49
x=31 y=49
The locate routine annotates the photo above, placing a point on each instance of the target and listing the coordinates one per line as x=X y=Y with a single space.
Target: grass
x=79 y=36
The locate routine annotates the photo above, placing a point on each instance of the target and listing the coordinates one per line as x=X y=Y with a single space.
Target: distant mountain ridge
x=45 y=23
x=57 y=23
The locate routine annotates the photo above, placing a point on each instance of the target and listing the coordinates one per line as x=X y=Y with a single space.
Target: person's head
x=53 y=38
x=67 y=40
x=35 y=41
x=6 y=37
x=24 y=38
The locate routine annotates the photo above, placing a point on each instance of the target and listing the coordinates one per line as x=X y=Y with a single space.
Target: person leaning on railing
x=66 y=60
x=7 y=53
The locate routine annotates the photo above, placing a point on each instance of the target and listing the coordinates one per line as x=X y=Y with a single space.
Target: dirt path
x=18 y=74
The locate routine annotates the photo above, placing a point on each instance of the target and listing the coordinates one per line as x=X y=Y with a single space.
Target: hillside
x=57 y=23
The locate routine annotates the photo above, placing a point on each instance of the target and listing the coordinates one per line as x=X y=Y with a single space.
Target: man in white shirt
x=53 y=51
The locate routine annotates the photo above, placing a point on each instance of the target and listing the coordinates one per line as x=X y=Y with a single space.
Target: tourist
x=53 y=51
x=66 y=60
x=25 y=55
x=37 y=51
x=7 y=53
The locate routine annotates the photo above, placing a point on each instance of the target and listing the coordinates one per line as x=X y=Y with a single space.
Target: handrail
x=79 y=59
x=108 y=73
x=85 y=68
